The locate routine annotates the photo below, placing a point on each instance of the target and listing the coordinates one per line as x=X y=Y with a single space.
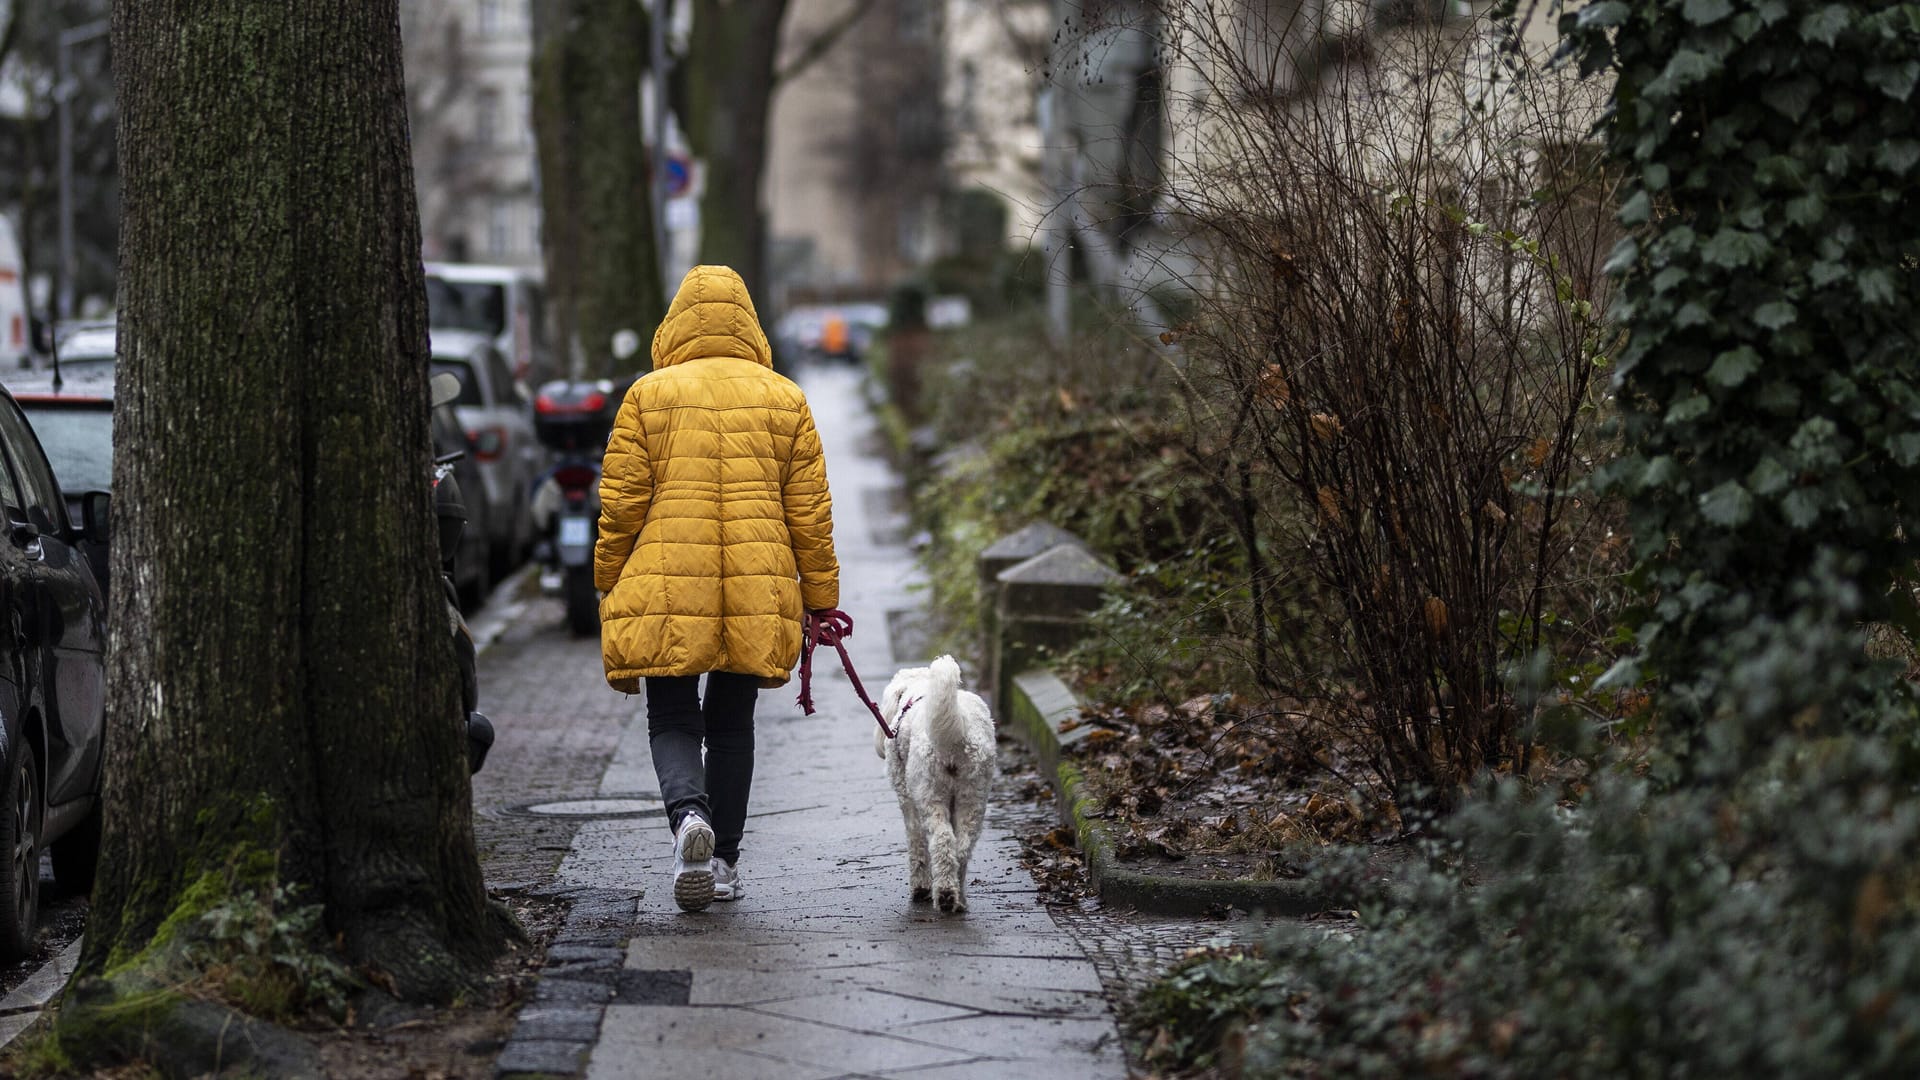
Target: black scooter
x=572 y=418
x=450 y=511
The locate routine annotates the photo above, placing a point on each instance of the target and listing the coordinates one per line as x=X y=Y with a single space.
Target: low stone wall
x=1039 y=585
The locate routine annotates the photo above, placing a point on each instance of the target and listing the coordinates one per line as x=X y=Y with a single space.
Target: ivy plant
x=1770 y=391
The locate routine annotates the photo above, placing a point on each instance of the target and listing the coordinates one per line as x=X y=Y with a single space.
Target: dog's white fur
x=941 y=765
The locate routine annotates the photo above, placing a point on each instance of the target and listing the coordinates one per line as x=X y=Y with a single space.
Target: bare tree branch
x=824 y=41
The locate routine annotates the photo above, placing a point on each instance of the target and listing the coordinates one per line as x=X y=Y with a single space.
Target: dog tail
x=943 y=702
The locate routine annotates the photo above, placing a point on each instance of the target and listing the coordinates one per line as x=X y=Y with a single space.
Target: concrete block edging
x=1039 y=703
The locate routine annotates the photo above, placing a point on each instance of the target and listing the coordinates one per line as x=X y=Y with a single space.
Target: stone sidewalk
x=823 y=969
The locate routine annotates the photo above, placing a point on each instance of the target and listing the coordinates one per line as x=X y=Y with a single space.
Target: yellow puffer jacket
x=716 y=530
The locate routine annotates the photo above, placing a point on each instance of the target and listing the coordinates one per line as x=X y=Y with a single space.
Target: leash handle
x=831 y=627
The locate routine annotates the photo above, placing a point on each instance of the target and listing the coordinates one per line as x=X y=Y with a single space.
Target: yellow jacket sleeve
x=809 y=513
x=626 y=492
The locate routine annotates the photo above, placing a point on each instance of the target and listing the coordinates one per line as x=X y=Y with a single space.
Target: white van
x=16 y=349
x=505 y=304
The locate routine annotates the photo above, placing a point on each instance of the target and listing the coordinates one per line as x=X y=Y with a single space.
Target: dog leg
x=946 y=887
x=918 y=876
x=970 y=817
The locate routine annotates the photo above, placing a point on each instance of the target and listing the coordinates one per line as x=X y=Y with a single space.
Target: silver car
x=496 y=411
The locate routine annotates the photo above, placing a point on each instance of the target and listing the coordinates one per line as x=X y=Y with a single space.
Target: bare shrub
x=1397 y=369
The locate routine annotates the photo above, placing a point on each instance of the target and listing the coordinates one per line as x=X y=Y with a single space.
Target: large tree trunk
x=603 y=269
x=282 y=705
x=729 y=78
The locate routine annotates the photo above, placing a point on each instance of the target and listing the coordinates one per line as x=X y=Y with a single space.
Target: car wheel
x=77 y=854
x=21 y=820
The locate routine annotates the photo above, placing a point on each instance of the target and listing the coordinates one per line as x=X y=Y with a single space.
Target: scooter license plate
x=575 y=532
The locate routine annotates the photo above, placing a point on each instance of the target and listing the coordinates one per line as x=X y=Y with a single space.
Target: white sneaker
x=726 y=880
x=693 y=863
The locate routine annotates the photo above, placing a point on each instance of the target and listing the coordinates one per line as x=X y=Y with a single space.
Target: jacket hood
x=711 y=315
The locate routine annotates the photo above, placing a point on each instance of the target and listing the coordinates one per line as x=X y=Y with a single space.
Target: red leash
x=831 y=627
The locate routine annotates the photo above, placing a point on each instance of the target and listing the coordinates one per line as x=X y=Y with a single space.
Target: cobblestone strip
x=557 y=727
x=556 y=1030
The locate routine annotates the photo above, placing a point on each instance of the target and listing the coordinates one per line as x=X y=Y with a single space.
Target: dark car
x=73 y=416
x=472 y=572
x=52 y=685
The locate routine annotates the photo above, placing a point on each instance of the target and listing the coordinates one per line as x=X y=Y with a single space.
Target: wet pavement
x=824 y=968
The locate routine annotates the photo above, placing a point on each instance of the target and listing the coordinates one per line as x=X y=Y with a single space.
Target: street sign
x=679 y=179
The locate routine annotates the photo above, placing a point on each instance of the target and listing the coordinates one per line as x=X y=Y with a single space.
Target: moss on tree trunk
x=281 y=674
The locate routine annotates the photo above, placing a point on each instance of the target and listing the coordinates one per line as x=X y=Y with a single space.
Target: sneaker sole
x=693 y=890
x=696 y=842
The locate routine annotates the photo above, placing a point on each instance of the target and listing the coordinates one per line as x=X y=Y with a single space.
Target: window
x=486 y=117
x=489 y=17
x=500 y=374
x=500 y=229
x=78 y=439
x=44 y=505
x=469 y=385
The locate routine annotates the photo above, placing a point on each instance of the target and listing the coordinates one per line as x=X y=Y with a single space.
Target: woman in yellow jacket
x=716 y=536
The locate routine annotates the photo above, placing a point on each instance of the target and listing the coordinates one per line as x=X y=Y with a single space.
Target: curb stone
x=557 y=1027
x=1040 y=703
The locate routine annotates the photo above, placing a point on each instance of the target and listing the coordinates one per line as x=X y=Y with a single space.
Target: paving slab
x=825 y=968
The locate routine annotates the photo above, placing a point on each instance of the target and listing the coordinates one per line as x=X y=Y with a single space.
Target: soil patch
x=447 y=1044
x=1205 y=791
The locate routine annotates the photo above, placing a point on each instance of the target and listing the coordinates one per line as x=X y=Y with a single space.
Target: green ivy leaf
x=1666 y=279
x=1895 y=80
x=1776 y=314
x=1769 y=478
x=1687 y=67
x=1824 y=26
x=1825 y=273
x=1898 y=156
x=1801 y=508
x=1905 y=449
x=1625 y=253
x=1692 y=407
x=1728 y=505
x=1791 y=98
x=1602 y=15
x=1877 y=286
x=1662 y=471
x=1704 y=12
x=1734 y=248
x=1806 y=209
x=1732 y=367
x=1636 y=210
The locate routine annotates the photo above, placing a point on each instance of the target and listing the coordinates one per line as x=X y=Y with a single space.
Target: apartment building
x=470 y=102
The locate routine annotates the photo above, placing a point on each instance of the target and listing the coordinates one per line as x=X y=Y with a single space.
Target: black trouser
x=677 y=723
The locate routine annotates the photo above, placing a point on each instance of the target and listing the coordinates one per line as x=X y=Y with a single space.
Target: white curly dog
x=941 y=765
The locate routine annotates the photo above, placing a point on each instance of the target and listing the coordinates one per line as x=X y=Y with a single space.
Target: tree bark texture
x=727 y=90
x=281 y=675
x=603 y=268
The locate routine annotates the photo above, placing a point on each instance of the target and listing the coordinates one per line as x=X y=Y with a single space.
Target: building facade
x=469 y=100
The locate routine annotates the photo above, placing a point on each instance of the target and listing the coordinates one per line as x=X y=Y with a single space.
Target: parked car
x=74 y=421
x=472 y=574
x=495 y=412
x=52 y=684
x=504 y=304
